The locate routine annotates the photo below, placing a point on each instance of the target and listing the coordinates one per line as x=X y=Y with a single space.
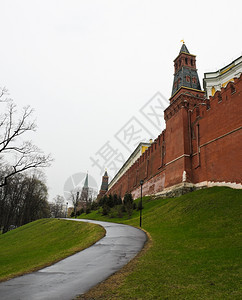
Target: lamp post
x=66 y=208
x=76 y=202
x=141 y=206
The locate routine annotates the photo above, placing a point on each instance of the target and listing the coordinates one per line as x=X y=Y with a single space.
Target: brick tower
x=104 y=186
x=186 y=93
x=185 y=72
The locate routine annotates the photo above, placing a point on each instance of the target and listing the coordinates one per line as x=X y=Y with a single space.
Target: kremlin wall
x=202 y=142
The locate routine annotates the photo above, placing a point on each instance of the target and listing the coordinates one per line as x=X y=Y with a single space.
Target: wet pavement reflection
x=78 y=273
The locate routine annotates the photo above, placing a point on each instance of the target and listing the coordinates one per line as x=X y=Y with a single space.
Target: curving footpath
x=78 y=273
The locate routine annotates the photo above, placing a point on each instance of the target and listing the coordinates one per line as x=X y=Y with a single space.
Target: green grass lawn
x=195 y=251
x=43 y=242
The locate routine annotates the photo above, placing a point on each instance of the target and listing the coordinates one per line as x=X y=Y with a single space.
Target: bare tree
x=82 y=198
x=22 y=155
x=3 y=95
x=57 y=207
x=75 y=198
x=22 y=200
x=87 y=196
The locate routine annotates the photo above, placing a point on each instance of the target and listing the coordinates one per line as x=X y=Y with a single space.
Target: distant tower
x=185 y=74
x=85 y=191
x=104 y=186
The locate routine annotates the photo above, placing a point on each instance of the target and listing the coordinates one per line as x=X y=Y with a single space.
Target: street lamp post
x=66 y=208
x=76 y=202
x=141 y=206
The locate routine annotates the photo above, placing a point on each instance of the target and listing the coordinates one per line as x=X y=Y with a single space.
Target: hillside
x=43 y=242
x=195 y=252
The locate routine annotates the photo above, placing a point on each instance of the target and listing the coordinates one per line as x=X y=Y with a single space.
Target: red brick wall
x=220 y=160
x=191 y=123
x=177 y=147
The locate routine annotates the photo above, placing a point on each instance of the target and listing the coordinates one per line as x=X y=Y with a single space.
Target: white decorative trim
x=223 y=76
x=232 y=185
x=174 y=187
x=203 y=184
x=172 y=161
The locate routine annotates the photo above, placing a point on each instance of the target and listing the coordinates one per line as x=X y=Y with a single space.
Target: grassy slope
x=43 y=242
x=195 y=253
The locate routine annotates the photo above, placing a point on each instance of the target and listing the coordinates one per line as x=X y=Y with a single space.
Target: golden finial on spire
x=182 y=41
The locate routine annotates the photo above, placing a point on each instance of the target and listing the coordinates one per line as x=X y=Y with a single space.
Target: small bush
x=128 y=199
x=94 y=205
x=128 y=203
x=106 y=210
x=115 y=199
x=120 y=211
x=123 y=209
x=110 y=201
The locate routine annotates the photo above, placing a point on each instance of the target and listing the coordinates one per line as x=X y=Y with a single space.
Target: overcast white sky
x=87 y=68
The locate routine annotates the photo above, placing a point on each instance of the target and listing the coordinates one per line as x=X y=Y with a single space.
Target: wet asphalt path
x=78 y=273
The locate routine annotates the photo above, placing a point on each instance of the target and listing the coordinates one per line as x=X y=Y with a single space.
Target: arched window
x=192 y=62
x=186 y=62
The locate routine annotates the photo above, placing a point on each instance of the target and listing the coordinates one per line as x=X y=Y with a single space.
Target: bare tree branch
x=12 y=130
x=26 y=162
x=26 y=154
x=3 y=92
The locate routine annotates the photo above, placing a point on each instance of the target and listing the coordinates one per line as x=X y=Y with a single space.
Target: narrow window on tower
x=194 y=80
x=219 y=97
x=232 y=88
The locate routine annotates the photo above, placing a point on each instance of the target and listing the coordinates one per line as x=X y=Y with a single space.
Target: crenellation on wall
x=216 y=81
x=202 y=142
x=220 y=130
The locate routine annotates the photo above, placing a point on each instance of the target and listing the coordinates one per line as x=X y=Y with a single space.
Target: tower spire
x=86 y=181
x=184 y=49
x=185 y=74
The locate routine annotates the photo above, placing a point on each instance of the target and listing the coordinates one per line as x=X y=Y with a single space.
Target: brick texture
x=203 y=137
